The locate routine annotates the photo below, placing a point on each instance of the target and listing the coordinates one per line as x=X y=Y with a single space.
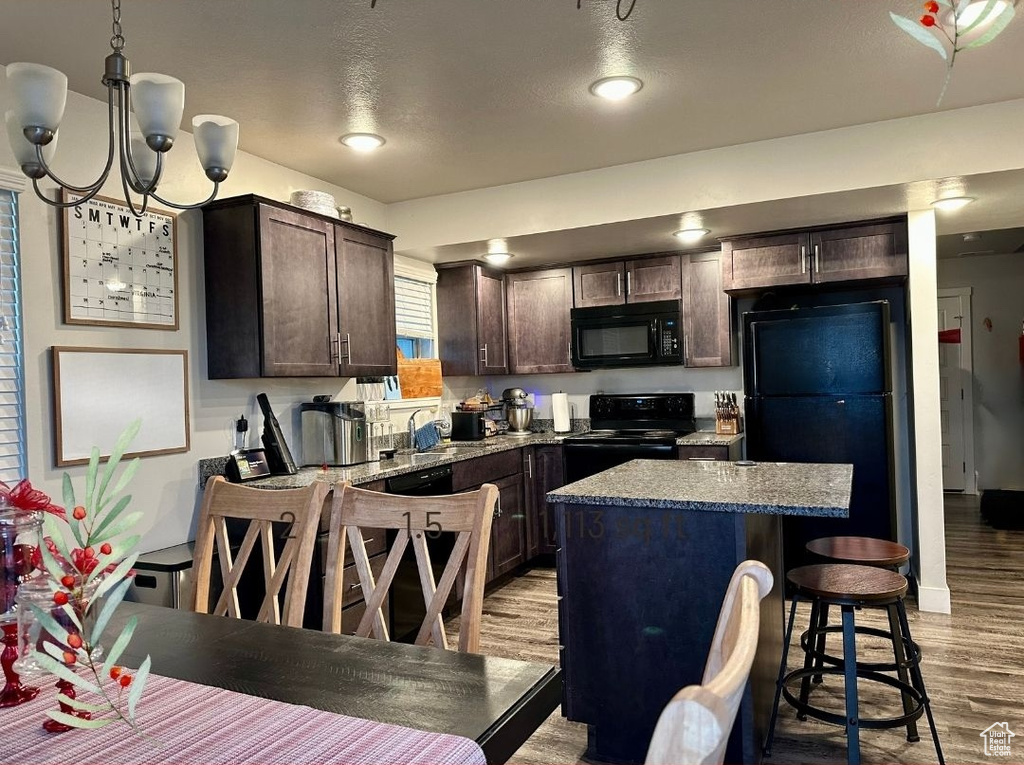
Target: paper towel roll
x=560 y=412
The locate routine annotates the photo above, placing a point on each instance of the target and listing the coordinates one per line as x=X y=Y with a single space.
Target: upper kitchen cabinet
x=471 y=320
x=539 y=333
x=295 y=294
x=366 y=303
x=637 y=280
x=707 y=315
x=853 y=253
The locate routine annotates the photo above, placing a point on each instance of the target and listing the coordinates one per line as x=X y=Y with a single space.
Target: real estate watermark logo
x=997 y=739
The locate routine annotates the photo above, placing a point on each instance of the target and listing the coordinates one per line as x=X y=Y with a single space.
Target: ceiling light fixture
x=144 y=115
x=497 y=258
x=616 y=88
x=691 y=235
x=951 y=204
x=363 y=142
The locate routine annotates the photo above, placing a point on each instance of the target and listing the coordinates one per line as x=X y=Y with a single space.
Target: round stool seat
x=867 y=551
x=848 y=583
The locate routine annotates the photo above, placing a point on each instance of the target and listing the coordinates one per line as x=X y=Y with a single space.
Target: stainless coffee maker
x=518 y=411
x=333 y=433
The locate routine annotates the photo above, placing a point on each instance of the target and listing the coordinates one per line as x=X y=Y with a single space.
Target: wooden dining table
x=496 y=702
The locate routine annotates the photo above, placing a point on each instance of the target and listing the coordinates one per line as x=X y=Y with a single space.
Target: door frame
x=967 y=369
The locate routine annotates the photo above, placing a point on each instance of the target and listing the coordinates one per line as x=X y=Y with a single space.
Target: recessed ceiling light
x=691 y=235
x=616 y=88
x=973 y=12
x=497 y=258
x=950 y=204
x=362 y=142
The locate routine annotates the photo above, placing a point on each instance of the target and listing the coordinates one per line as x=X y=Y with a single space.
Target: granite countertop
x=776 y=488
x=406 y=462
x=707 y=438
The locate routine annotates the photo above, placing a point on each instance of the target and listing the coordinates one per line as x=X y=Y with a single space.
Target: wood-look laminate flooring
x=973 y=659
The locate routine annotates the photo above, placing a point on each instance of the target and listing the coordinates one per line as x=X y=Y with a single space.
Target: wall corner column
x=926 y=441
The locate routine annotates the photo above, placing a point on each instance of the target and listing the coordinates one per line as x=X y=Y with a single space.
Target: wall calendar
x=120 y=269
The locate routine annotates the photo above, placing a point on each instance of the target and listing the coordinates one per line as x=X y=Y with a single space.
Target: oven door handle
x=641 y=449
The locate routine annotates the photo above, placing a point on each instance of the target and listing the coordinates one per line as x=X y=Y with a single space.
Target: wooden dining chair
x=413 y=519
x=694 y=726
x=296 y=513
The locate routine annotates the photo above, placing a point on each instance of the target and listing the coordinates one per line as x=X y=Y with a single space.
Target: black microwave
x=631 y=335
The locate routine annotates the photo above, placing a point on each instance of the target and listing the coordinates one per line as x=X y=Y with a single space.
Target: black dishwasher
x=407 y=606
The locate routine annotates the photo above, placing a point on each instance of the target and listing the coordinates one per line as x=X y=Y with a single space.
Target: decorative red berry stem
x=14 y=692
x=51 y=725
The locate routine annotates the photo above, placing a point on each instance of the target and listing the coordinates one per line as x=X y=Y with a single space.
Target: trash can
x=163 y=577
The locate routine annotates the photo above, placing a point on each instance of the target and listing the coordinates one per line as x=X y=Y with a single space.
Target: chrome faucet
x=412 y=427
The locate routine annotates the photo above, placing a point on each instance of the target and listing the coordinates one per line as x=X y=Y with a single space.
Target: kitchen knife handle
x=803 y=259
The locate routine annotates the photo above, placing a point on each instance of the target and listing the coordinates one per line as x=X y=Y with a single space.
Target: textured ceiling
x=476 y=93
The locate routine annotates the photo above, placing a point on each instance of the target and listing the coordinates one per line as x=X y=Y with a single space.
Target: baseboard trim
x=933 y=599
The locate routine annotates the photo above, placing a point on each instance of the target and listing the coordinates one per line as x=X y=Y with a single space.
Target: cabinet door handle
x=627 y=284
x=618 y=285
x=336 y=348
x=348 y=347
x=529 y=466
x=497 y=508
x=701 y=459
x=817 y=259
x=355 y=586
x=483 y=355
x=803 y=259
x=568 y=349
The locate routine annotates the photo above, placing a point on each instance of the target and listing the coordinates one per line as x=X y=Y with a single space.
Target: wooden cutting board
x=419 y=378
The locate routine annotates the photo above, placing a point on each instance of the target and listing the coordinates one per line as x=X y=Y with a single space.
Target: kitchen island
x=646 y=550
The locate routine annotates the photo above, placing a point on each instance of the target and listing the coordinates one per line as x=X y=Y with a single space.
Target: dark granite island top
x=645 y=553
x=777 y=488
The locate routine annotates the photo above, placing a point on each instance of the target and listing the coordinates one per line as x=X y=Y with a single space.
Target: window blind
x=12 y=359
x=414 y=309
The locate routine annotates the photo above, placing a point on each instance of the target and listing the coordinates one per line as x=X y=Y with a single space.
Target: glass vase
x=20 y=537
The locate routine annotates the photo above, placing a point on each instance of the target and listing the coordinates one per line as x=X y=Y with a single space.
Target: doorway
x=956 y=391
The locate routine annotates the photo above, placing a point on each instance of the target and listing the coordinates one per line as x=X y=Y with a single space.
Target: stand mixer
x=518 y=411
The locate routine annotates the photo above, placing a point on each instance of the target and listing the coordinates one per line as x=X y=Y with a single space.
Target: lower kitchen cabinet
x=711 y=452
x=508 y=529
x=544 y=472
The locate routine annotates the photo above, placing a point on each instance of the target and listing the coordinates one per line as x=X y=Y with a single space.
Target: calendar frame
x=69 y=315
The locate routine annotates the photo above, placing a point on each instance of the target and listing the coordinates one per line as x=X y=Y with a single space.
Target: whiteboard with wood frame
x=99 y=391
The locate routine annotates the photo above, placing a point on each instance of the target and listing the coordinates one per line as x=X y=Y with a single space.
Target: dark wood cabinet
x=543 y=471
x=710 y=452
x=863 y=252
x=638 y=280
x=766 y=261
x=599 y=284
x=649 y=279
x=471 y=321
x=366 y=304
x=869 y=251
x=707 y=313
x=508 y=529
x=290 y=293
x=539 y=333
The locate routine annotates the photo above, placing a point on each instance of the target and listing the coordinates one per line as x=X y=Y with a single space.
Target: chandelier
x=144 y=114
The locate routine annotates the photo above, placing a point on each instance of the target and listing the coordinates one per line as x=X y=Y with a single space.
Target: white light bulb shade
x=952 y=204
x=24 y=150
x=38 y=94
x=498 y=257
x=159 y=102
x=690 y=235
x=143 y=157
x=216 y=140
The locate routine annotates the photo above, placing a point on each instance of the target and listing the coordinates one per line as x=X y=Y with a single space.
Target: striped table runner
x=196 y=724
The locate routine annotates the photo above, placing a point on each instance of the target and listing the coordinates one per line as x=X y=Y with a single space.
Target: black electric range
x=627 y=427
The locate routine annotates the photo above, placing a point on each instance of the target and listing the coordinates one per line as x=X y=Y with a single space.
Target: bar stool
x=850 y=587
x=864 y=551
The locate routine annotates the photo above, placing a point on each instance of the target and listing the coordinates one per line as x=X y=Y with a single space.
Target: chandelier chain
x=117 y=39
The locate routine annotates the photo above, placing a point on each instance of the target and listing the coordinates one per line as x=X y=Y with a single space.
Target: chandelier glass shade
x=145 y=111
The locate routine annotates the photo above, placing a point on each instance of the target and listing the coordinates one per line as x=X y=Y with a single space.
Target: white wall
x=166 y=486
x=997 y=294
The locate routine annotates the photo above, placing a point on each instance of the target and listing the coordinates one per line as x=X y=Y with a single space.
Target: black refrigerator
x=818 y=389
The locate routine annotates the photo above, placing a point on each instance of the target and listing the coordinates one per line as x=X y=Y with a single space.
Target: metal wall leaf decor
x=949 y=29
